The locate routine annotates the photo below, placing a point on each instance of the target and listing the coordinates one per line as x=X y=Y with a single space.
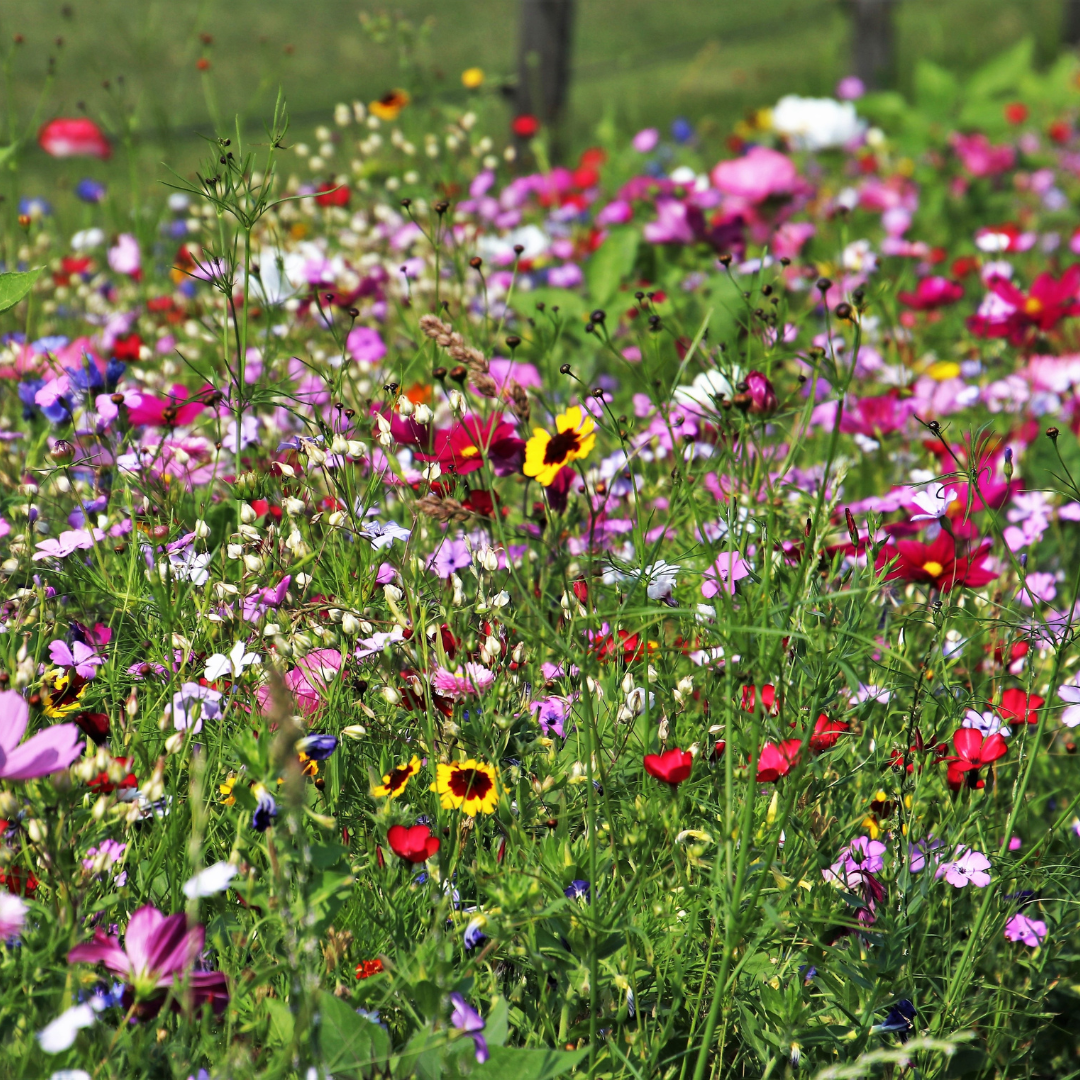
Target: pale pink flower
x=51 y=750
x=470 y=681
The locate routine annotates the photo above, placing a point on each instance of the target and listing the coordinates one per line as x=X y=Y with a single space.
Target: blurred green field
x=637 y=61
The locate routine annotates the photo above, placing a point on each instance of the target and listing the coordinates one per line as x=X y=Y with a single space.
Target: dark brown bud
x=441 y=207
x=476 y=262
x=824 y=284
x=844 y=311
x=513 y=341
x=1052 y=433
x=459 y=374
x=725 y=259
x=565 y=369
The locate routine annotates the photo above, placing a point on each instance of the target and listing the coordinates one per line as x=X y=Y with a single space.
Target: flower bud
x=390 y=695
x=423 y=414
x=457 y=402
x=404 y=406
x=247 y=514
x=202 y=530
x=253 y=563
x=350 y=626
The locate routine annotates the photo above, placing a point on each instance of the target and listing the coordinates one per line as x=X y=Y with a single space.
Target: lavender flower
x=466 y=1018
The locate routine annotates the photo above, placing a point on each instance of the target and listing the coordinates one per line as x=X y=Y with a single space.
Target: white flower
x=816 y=123
x=705 y=391
x=60 y=1034
x=1070 y=717
x=661 y=577
x=933 y=502
x=211 y=881
x=383 y=535
x=988 y=723
x=233 y=664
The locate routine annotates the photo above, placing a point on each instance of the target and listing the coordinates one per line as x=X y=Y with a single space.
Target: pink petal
x=142 y=931
x=102 y=950
x=49 y=751
x=14 y=713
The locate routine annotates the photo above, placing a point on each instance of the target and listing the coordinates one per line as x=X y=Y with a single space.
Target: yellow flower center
x=934 y=569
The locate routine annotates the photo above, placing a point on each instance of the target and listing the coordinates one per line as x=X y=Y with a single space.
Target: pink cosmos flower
x=53 y=391
x=109 y=410
x=671 y=225
x=470 y=681
x=932 y=293
x=979 y=158
x=365 y=344
x=760 y=174
x=967 y=867
x=68 y=541
x=729 y=567
x=159 y=953
x=51 y=750
x=1030 y=931
x=124 y=257
x=644 y=142
x=876 y=416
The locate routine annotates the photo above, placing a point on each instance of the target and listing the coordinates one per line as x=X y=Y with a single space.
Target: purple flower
x=49 y=751
x=729 y=567
x=578 y=890
x=966 y=866
x=850 y=88
x=551 y=714
x=474 y=932
x=1030 y=931
x=644 y=142
x=365 y=344
x=82 y=658
x=452 y=555
x=317 y=747
x=189 y=698
x=862 y=856
x=466 y=1018
x=923 y=851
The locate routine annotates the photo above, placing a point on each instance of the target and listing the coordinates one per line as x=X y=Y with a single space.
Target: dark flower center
x=469 y=783
x=398 y=777
x=561 y=446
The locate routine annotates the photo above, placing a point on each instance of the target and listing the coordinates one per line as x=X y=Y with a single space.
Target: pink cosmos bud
x=762 y=395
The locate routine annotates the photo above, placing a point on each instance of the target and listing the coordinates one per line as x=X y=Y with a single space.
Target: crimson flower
x=975 y=750
x=876 y=416
x=673 y=766
x=525 y=126
x=415 y=844
x=1008 y=313
x=932 y=293
x=461 y=449
x=768 y=698
x=827 y=733
x=777 y=759
x=332 y=195
x=763 y=401
x=936 y=563
x=75 y=136
x=1019 y=708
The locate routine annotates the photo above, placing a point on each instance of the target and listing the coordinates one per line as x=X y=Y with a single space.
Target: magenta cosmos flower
x=158 y=953
x=1030 y=931
x=966 y=867
x=49 y=751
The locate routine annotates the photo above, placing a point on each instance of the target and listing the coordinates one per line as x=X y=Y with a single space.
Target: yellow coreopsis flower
x=546 y=454
x=473 y=77
x=393 y=783
x=389 y=105
x=469 y=786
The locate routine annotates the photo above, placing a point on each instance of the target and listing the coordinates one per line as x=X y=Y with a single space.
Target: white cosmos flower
x=816 y=123
x=987 y=723
x=211 y=881
x=58 y=1036
x=933 y=503
x=233 y=664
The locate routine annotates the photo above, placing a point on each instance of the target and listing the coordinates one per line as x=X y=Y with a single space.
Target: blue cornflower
x=474 y=932
x=579 y=890
x=899 y=1020
x=317 y=747
x=90 y=191
x=265 y=811
x=682 y=131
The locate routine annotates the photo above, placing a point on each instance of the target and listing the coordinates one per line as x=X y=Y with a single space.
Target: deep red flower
x=827 y=733
x=777 y=759
x=415 y=844
x=974 y=750
x=127 y=347
x=768 y=698
x=525 y=126
x=461 y=449
x=104 y=786
x=1018 y=708
x=932 y=293
x=75 y=136
x=366 y=968
x=95 y=725
x=1016 y=112
x=763 y=401
x=332 y=195
x=673 y=766
x=936 y=563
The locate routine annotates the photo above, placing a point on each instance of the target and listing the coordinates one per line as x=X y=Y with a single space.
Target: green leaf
x=936 y=90
x=1004 y=72
x=14 y=286
x=611 y=263
x=571 y=306
x=281 y=1022
x=507 y=1063
x=349 y=1042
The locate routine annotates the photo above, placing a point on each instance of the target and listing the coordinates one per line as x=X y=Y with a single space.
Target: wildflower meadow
x=466 y=615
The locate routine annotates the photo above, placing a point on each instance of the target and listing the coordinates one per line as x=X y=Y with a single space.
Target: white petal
x=209 y=882
x=217 y=666
x=60 y=1034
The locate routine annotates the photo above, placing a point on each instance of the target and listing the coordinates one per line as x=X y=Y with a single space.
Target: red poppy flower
x=332 y=195
x=75 y=136
x=1019 y=708
x=104 y=786
x=127 y=347
x=366 y=968
x=1016 y=112
x=827 y=733
x=673 y=766
x=974 y=750
x=13 y=879
x=415 y=844
x=630 y=645
x=525 y=126
x=768 y=698
x=776 y=760
x=936 y=563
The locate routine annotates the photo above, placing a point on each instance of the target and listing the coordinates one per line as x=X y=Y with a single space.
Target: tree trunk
x=873 y=42
x=1070 y=23
x=544 y=61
